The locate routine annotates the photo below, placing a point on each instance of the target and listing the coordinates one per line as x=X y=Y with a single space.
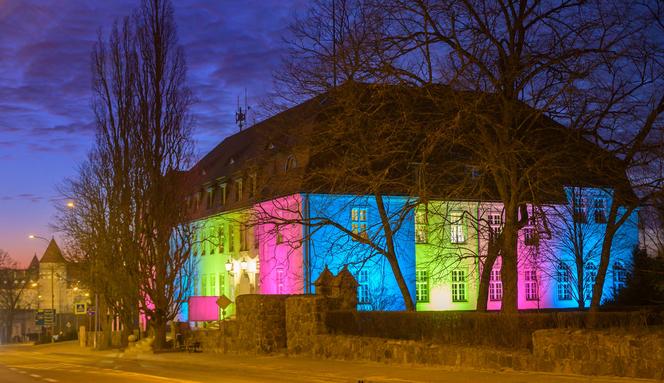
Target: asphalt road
x=68 y=363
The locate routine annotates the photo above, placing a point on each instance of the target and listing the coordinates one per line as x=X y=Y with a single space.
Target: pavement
x=67 y=362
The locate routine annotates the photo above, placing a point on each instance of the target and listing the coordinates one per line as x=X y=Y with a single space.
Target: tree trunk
x=580 y=288
x=485 y=274
x=159 y=329
x=508 y=270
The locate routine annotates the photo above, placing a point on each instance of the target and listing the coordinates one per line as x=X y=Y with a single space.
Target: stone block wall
x=305 y=320
x=261 y=322
x=620 y=352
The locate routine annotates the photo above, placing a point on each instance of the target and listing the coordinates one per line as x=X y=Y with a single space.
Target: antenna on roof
x=241 y=114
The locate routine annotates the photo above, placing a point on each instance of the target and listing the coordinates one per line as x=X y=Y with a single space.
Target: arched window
x=291 y=163
x=589 y=276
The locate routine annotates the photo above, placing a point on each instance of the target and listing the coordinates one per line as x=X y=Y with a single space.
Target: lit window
x=204 y=285
x=589 y=277
x=495 y=220
x=359 y=222
x=530 y=237
x=619 y=277
x=421 y=227
x=231 y=238
x=363 y=288
x=457 y=232
x=580 y=209
x=459 y=286
x=530 y=277
x=495 y=286
x=599 y=208
x=220 y=239
x=243 y=238
x=421 y=285
x=564 y=279
x=221 y=284
x=213 y=287
x=280 y=280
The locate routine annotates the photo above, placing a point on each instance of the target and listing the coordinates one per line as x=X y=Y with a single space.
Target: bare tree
x=13 y=282
x=134 y=218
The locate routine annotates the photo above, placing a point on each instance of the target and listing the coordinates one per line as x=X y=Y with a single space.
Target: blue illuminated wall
x=331 y=247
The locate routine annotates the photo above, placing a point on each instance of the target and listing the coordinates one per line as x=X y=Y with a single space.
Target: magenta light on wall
x=203 y=309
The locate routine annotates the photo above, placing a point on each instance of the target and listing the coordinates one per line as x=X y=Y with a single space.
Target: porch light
x=244 y=265
x=229 y=266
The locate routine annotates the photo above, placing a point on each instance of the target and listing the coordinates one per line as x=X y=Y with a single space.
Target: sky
x=46 y=123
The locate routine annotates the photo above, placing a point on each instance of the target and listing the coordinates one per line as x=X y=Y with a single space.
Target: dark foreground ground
x=66 y=362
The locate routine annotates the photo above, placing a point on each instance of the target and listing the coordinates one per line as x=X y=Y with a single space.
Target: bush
x=475 y=329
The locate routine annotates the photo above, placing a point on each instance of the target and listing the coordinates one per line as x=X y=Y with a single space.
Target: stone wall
x=297 y=325
x=261 y=322
x=620 y=352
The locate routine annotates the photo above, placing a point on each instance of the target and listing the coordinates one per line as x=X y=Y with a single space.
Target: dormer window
x=222 y=193
x=291 y=163
x=238 y=189
x=270 y=146
x=231 y=161
x=251 y=187
x=209 y=197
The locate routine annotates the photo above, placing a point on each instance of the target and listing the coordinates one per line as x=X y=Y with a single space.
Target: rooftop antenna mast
x=241 y=114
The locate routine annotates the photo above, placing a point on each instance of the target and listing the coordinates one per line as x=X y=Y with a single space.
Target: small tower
x=53 y=279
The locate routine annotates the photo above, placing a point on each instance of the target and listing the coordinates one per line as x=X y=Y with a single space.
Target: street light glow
x=70 y=204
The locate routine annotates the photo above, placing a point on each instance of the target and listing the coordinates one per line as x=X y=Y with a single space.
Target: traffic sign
x=224 y=302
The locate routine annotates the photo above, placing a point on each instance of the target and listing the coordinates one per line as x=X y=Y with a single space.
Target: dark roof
x=265 y=147
x=52 y=254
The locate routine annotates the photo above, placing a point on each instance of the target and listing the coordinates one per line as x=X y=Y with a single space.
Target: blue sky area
x=46 y=124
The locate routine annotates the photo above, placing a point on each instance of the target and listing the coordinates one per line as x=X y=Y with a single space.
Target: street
x=66 y=362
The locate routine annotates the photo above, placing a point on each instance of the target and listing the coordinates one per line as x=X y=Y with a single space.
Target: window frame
x=422 y=286
x=459 y=286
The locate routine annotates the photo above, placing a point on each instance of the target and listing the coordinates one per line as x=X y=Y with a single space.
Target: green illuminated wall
x=445 y=252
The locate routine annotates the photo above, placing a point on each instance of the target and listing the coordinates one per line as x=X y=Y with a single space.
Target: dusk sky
x=46 y=124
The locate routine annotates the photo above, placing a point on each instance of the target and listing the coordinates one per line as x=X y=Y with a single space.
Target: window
x=257 y=244
x=421 y=285
x=599 y=208
x=530 y=277
x=251 y=187
x=530 y=237
x=495 y=220
x=197 y=201
x=209 y=198
x=195 y=285
x=457 y=234
x=589 y=277
x=495 y=286
x=619 y=276
x=359 y=221
x=231 y=238
x=220 y=239
x=459 y=286
x=221 y=284
x=363 y=288
x=243 y=238
x=421 y=227
x=213 y=283
x=204 y=285
x=280 y=280
x=291 y=163
x=238 y=190
x=213 y=248
x=564 y=278
x=279 y=236
x=203 y=244
x=580 y=210
x=222 y=193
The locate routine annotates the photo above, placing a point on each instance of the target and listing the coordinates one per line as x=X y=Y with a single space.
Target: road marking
x=50 y=380
x=12 y=368
x=22 y=372
x=35 y=376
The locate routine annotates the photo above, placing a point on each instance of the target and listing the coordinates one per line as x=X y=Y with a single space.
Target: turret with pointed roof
x=52 y=254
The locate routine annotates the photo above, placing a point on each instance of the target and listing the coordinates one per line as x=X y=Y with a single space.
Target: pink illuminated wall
x=203 y=309
x=280 y=249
